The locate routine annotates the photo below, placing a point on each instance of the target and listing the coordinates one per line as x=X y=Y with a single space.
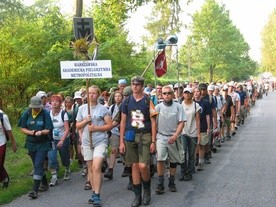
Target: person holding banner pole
x=96 y=123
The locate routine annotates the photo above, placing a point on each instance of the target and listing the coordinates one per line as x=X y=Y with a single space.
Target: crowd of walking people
x=148 y=129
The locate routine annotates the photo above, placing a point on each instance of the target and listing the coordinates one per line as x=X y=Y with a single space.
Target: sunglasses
x=167 y=93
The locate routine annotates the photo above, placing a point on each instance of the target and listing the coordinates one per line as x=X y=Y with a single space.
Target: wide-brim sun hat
x=36 y=102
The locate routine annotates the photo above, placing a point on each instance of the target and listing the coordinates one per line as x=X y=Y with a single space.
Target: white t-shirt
x=190 y=128
x=168 y=118
x=58 y=123
x=114 y=130
x=7 y=126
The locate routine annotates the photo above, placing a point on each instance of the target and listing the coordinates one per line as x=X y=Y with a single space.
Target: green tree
x=269 y=45
x=221 y=51
x=31 y=46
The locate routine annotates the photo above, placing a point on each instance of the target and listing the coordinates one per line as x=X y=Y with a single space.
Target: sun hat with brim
x=36 y=102
x=77 y=94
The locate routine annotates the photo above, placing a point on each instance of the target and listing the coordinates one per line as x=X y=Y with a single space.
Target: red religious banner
x=160 y=64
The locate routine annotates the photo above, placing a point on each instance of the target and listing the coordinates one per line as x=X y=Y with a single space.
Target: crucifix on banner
x=88 y=68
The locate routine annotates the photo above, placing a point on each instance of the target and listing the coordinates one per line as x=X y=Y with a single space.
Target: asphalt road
x=242 y=174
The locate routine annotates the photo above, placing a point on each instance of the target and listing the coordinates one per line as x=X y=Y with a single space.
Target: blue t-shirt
x=138 y=114
x=242 y=96
x=204 y=111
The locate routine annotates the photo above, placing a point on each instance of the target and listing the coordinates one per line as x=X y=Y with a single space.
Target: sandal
x=87 y=185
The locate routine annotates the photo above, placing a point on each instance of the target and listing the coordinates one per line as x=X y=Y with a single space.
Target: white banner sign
x=85 y=69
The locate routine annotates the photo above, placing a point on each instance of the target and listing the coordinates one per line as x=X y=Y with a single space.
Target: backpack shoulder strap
x=112 y=109
x=62 y=114
x=1 y=118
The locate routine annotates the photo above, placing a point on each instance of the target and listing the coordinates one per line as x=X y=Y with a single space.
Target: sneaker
x=53 y=182
x=233 y=133
x=43 y=188
x=160 y=189
x=66 y=175
x=97 y=201
x=33 y=194
x=91 y=200
x=228 y=138
x=172 y=187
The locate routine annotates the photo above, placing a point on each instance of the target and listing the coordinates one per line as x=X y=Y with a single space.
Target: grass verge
x=19 y=167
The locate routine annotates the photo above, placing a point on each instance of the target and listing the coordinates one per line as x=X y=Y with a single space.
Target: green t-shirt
x=40 y=122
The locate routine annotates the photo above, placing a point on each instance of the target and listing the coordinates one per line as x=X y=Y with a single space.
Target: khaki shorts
x=138 y=151
x=227 y=122
x=114 y=141
x=98 y=151
x=204 y=138
x=175 y=151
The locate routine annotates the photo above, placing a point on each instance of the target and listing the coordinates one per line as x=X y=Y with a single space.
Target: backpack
x=4 y=129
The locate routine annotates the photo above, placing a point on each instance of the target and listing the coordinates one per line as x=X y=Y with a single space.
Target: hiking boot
x=126 y=172
x=207 y=161
x=66 y=175
x=137 y=201
x=33 y=194
x=53 y=182
x=130 y=186
x=199 y=168
x=109 y=174
x=43 y=188
x=160 y=189
x=146 y=196
x=104 y=166
x=188 y=177
x=172 y=187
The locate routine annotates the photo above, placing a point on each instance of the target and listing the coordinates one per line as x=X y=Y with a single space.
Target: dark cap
x=137 y=79
x=202 y=86
x=127 y=91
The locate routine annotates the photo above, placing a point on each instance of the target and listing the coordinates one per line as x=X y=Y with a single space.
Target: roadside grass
x=19 y=167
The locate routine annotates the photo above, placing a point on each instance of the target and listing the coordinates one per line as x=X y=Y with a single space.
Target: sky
x=249 y=16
